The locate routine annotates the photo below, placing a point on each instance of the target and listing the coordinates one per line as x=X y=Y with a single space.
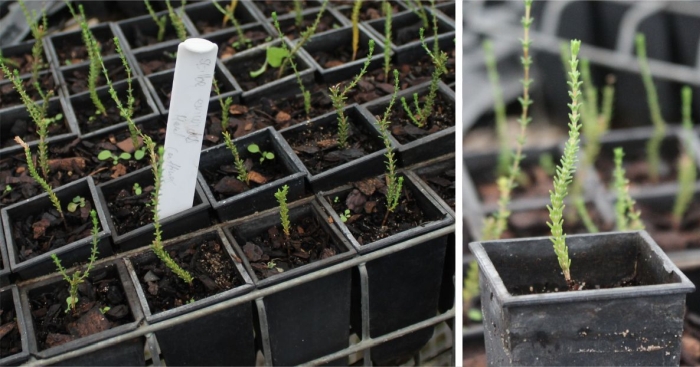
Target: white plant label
x=189 y=100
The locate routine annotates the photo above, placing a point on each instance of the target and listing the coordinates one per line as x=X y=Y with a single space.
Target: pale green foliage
x=239 y=163
x=38 y=32
x=298 y=15
x=225 y=106
x=421 y=114
x=281 y=196
x=79 y=277
x=42 y=182
x=228 y=13
x=338 y=97
x=355 y=19
x=393 y=183
x=94 y=55
x=417 y=8
x=161 y=22
x=686 y=165
x=471 y=284
x=499 y=108
x=547 y=164
x=580 y=205
x=386 y=7
x=303 y=38
x=176 y=20
x=626 y=217
x=566 y=168
x=654 y=143
x=496 y=224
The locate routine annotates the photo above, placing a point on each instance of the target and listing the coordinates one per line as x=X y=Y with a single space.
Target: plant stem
x=499 y=109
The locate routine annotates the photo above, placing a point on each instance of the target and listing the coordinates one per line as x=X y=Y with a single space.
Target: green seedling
x=39 y=32
x=8 y=61
x=547 y=164
x=566 y=168
x=8 y=189
x=281 y=196
x=417 y=8
x=386 y=8
x=176 y=20
x=344 y=216
x=77 y=202
x=687 y=172
x=499 y=107
x=298 y=15
x=271 y=264
x=161 y=22
x=394 y=183
x=355 y=19
x=108 y=154
x=273 y=57
x=254 y=148
x=654 y=143
x=79 y=277
x=225 y=106
x=627 y=218
x=105 y=309
x=95 y=58
x=137 y=189
x=229 y=14
x=238 y=162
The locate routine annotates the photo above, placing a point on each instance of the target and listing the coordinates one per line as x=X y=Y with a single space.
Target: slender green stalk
x=393 y=184
x=566 y=168
x=281 y=196
x=176 y=20
x=627 y=218
x=355 y=18
x=38 y=32
x=240 y=163
x=338 y=98
x=417 y=8
x=499 y=108
x=78 y=277
x=161 y=22
x=304 y=92
x=304 y=37
x=298 y=15
x=94 y=54
x=495 y=225
x=583 y=214
x=654 y=143
x=686 y=165
x=225 y=106
x=228 y=13
x=386 y=7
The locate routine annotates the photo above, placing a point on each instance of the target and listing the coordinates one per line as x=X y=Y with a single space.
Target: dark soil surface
x=27 y=130
x=10 y=339
x=662 y=229
x=71 y=52
x=54 y=326
x=367 y=205
x=72 y=160
x=22 y=62
x=292 y=31
x=369 y=10
x=444 y=185
x=224 y=183
x=39 y=233
x=318 y=149
x=341 y=55
x=206 y=260
x=241 y=71
x=214 y=23
x=533 y=223
x=411 y=33
x=159 y=62
x=89 y=121
x=290 y=111
x=242 y=121
x=536 y=183
x=232 y=46
x=164 y=89
x=281 y=7
x=636 y=167
x=141 y=39
x=77 y=79
x=128 y=210
x=272 y=252
x=9 y=96
x=576 y=284
x=405 y=131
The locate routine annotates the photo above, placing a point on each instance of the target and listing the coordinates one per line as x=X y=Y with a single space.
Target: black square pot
x=161 y=85
x=79 y=72
x=147 y=110
x=103 y=32
x=330 y=20
x=18 y=52
x=4 y=261
x=70 y=254
x=261 y=197
x=204 y=15
x=336 y=39
x=290 y=318
x=13 y=118
x=368 y=165
x=426 y=147
x=409 y=23
x=346 y=10
x=190 y=220
x=126 y=353
x=11 y=100
x=130 y=29
x=257 y=33
x=409 y=277
x=588 y=327
x=9 y=301
x=252 y=59
x=264 y=9
x=222 y=338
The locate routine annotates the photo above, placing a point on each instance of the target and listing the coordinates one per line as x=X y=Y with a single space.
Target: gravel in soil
x=39 y=233
x=10 y=339
x=22 y=63
x=367 y=205
x=154 y=63
x=318 y=149
x=233 y=45
x=205 y=259
x=273 y=252
x=102 y=305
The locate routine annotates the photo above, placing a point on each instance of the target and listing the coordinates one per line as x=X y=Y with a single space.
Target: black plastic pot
x=70 y=254
x=4 y=261
x=259 y=198
x=280 y=88
x=330 y=42
x=12 y=116
x=592 y=326
x=368 y=165
x=103 y=33
x=148 y=106
x=408 y=22
x=9 y=300
x=21 y=50
x=221 y=38
x=448 y=10
x=223 y=338
x=308 y=321
x=287 y=21
x=429 y=146
x=112 y=63
x=190 y=220
x=163 y=82
x=126 y=353
x=404 y=287
x=161 y=51
x=206 y=13
x=131 y=28
x=51 y=84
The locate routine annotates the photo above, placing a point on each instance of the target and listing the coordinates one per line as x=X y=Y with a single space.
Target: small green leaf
x=104 y=155
x=262 y=159
x=475 y=315
x=269 y=155
x=58 y=117
x=257 y=73
x=72 y=207
x=139 y=154
x=77 y=199
x=253 y=148
x=275 y=55
x=125 y=156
